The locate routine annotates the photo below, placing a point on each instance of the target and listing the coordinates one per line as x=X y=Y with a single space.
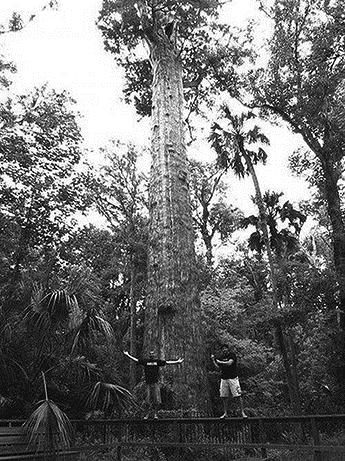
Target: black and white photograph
x=172 y=230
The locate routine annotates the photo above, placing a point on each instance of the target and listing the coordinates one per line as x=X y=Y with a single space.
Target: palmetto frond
x=237 y=164
x=89 y=326
x=48 y=309
x=49 y=429
x=216 y=138
x=109 y=397
x=230 y=144
x=256 y=242
x=79 y=365
x=255 y=135
x=237 y=121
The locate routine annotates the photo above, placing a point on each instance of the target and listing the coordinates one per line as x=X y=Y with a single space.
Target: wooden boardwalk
x=311 y=437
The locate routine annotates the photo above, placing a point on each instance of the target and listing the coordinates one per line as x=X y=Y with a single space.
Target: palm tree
x=66 y=322
x=58 y=335
x=75 y=307
x=48 y=428
x=230 y=146
x=235 y=148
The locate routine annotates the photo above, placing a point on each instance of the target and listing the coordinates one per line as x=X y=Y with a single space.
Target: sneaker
x=244 y=415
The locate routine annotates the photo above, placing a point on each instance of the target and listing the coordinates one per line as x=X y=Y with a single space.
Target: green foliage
x=306 y=65
x=284 y=223
x=6 y=69
x=120 y=193
x=16 y=22
x=232 y=143
x=124 y=25
x=40 y=188
x=64 y=333
x=49 y=430
x=110 y=398
x=211 y=214
x=238 y=311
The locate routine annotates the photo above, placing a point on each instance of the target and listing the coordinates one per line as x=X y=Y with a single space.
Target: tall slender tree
x=175 y=33
x=232 y=148
x=212 y=216
x=121 y=197
x=302 y=85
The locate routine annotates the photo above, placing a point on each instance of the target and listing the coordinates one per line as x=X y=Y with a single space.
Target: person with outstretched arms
x=152 y=373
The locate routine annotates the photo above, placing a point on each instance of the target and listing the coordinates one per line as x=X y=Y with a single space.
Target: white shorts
x=228 y=386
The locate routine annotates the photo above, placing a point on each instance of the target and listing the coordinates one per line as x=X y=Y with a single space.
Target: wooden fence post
x=316 y=439
x=104 y=433
x=263 y=438
x=179 y=439
x=119 y=446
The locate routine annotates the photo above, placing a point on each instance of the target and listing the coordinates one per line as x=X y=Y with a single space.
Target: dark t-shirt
x=151 y=369
x=228 y=371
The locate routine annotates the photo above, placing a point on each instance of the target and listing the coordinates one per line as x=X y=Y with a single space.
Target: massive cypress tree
x=175 y=33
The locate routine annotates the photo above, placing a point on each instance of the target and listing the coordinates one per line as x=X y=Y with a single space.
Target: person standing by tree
x=151 y=369
x=229 y=383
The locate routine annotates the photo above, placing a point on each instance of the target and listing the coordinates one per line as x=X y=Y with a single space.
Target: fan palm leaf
x=229 y=144
x=89 y=326
x=46 y=310
x=110 y=397
x=78 y=365
x=48 y=428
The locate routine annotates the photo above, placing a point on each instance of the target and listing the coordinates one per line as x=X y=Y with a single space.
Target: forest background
x=74 y=213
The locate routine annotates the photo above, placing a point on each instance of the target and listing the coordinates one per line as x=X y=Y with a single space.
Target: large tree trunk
x=207 y=238
x=205 y=234
x=331 y=191
x=172 y=316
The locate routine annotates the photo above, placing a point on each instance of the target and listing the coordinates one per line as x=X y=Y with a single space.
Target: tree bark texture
x=331 y=191
x=133 y=325
x=172 y=322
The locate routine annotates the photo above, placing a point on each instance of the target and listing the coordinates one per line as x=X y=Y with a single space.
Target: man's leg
x=240 y=399
x=157 y=400
x=150 y=400
x=224 y=395
x=237 y=394
x=225 y=401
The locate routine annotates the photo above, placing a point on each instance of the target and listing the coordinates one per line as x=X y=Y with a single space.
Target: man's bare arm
x=130 y=356
x=215 y=362
x=225 y=362
x=173 y=362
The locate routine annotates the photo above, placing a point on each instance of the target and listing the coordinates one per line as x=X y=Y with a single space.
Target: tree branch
x=51 y=4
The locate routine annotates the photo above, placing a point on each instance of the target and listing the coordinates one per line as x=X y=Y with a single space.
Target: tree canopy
x=126 y=25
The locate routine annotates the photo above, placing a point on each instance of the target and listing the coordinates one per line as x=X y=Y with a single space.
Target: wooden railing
x=314 y=437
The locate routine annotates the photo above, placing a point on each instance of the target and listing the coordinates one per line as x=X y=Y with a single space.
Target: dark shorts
x=154 y=394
